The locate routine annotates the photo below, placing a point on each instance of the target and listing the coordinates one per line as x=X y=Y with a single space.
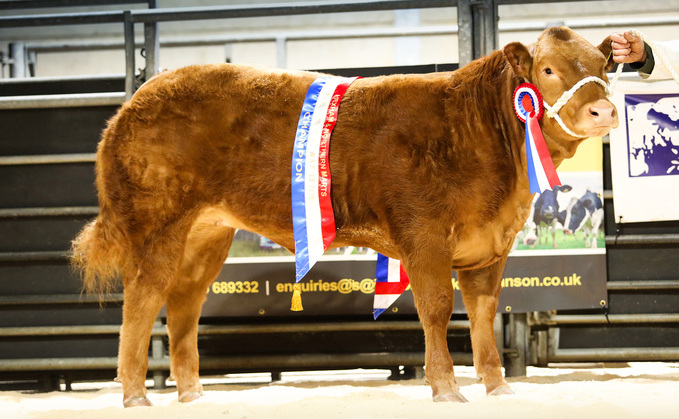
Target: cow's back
x=222 y=135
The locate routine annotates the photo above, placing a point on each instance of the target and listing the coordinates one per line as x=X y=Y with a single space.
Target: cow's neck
x=483 y=89
x=561 y=146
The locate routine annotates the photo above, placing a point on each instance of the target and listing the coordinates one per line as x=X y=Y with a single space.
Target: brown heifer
x=429 y=169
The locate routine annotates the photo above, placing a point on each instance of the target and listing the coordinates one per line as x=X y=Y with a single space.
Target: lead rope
x=657 y=52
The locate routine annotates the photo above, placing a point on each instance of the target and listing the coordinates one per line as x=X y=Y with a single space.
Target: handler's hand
x=627 y=48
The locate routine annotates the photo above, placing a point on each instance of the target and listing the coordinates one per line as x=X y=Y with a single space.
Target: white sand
x=597 y=391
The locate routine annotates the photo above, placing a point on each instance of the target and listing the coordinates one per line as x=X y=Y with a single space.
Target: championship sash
x=312 y=215
x=313 y=218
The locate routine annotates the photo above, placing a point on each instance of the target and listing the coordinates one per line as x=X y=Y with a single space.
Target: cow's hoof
x=501 y=391
x=137 y=401
x=190 y=396
x=453 y=396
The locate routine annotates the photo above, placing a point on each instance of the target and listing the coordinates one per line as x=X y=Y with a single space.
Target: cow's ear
x=519 y=58
x=606 y=49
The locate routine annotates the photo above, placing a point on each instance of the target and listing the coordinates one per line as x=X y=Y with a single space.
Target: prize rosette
x=529 y=107
x=528 y=102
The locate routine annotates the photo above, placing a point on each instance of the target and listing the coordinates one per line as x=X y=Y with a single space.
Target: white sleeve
x=670 y=50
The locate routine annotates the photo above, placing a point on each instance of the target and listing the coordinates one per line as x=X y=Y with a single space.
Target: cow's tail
x=99 y=254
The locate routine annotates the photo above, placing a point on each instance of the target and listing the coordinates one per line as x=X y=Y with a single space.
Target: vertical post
x=17 y=60
x=464 y=32
x=128 y=28
x=151 y=48
x=477 y=29
x=151 y=45
x=158 y=353
x=515 y=364
x=282 y=52
x=485 y=32
x=31 y=63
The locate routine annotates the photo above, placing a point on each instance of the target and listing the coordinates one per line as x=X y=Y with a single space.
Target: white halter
x=553 y=111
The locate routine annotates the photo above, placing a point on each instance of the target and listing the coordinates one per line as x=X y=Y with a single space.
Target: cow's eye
x=548 y=71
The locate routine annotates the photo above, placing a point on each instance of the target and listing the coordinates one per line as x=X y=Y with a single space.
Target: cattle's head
x=581 y=210
x=547 y=206
x=557 y=62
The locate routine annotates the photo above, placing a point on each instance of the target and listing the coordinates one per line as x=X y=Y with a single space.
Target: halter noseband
x=553 y=111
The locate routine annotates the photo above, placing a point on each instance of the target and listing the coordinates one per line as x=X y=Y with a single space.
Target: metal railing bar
x=521 y=26
x=311 y=35
x=613 y=354
x=252 y=37
x=61 y=19
x=346 y=34
x=236 y=363
x=220 y=12
x=325 y=327
x=643 y=285
x=47 y=159
x=314 y=361
x=38 y=256
x=15 y=300
x=633 y=239
x=59 y=330
x=230 y=329
x=62 y=100
x=42 y=4
x=51 y=364
x=282 y=9
x=584 y=319
x=48 y=212
x=52 y=79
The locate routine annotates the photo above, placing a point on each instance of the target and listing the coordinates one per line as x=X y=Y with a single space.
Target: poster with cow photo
x=571 y=215
x=645 y=151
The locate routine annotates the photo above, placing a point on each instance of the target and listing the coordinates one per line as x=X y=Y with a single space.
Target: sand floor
x=634 y=390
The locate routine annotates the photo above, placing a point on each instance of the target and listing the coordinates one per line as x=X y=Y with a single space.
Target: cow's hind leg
x=432 y=287
x=145 y=291
x=206 y=249
x=480 y=292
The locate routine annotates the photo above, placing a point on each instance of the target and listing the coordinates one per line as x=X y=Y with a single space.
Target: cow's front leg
x=430 y=279
x=480 y=292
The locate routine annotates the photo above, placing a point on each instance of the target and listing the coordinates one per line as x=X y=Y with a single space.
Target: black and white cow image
x=586 y=214
x=546 y=214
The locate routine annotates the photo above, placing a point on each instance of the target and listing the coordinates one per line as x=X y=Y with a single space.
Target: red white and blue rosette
x=529 y=107
x=528 y=102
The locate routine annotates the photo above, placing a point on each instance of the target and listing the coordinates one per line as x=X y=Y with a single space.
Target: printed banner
x=344 y=285
x=645 y=151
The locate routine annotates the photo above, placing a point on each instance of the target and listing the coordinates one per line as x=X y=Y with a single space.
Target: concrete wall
x=363 y=52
